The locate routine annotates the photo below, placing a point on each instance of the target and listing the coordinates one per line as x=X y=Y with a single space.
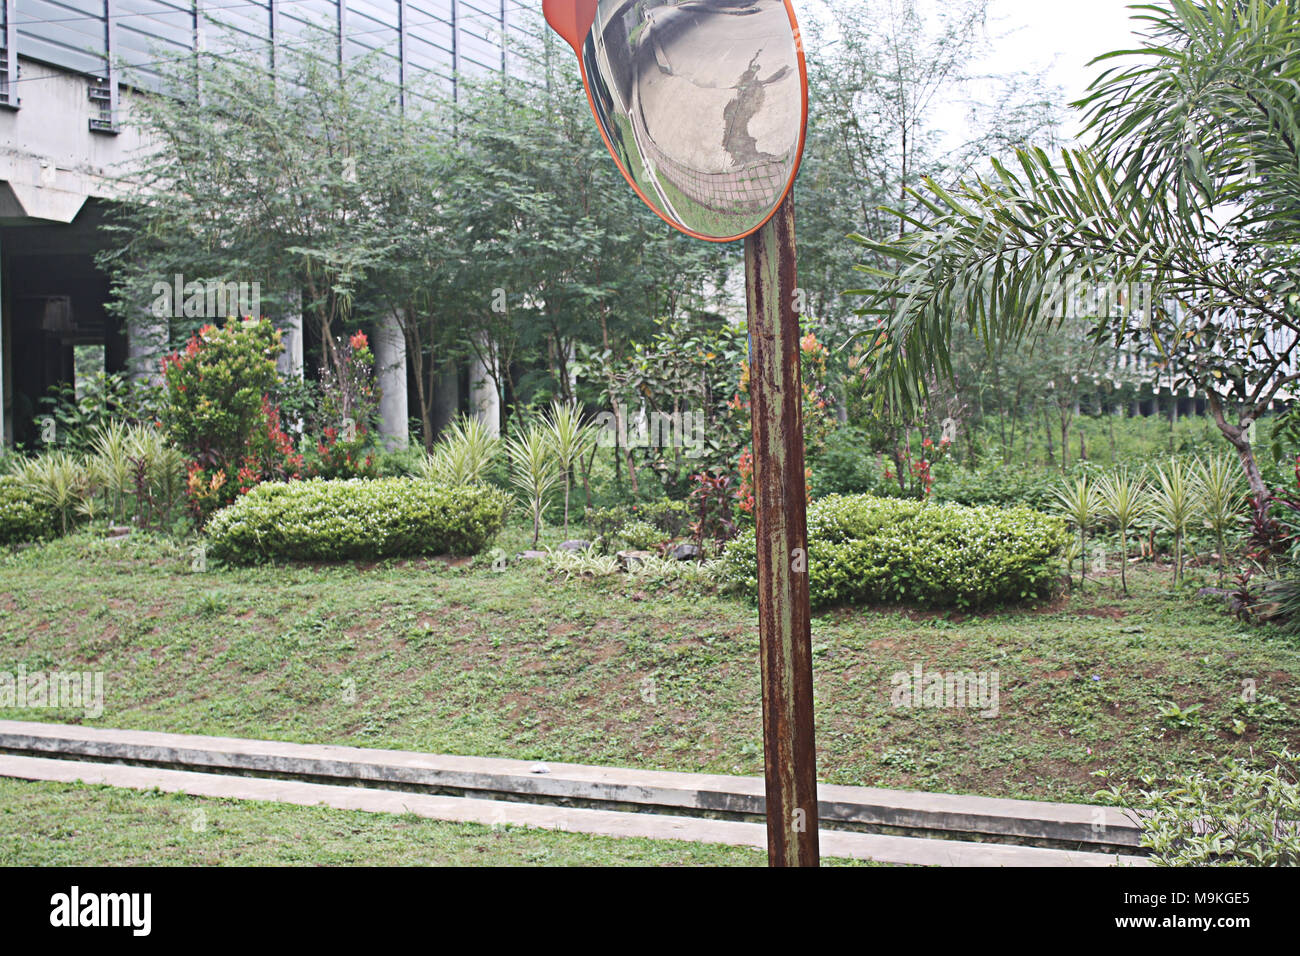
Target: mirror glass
x=702 y=104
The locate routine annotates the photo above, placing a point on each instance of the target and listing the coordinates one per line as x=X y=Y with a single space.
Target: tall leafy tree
x=260 y=177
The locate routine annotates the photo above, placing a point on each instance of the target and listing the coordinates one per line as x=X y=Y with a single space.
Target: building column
x=446 y=397
x=6 y=377
x=148 y=339
x=289 y=362
x=390 y=369
x=484 y=399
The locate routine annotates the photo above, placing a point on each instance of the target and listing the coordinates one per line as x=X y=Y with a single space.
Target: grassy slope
x=469 y=661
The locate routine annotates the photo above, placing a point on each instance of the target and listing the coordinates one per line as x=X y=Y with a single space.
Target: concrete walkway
x=54 y=752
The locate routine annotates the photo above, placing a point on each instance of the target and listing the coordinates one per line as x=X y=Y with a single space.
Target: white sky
x=1060 y=36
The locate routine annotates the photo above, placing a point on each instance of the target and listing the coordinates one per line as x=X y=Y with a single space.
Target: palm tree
x=1078 y=503
x=534 y=471
x=1123 y=501
x=1186 y=191
x=570 y=439
x=1218 y=488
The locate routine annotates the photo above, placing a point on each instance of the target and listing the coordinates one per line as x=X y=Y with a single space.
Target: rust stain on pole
x=784 y=623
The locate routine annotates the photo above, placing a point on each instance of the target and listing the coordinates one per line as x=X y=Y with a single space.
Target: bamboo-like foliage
x=1123 y=502
x=1079 y=502
x=570 y=439
x=463 y=455
x=1209 y=112
x=1173 y=506
x=1222 y=498
x=534 y=471
x=130 y=467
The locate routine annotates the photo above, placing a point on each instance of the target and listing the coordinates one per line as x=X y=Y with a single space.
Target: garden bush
x=671 y=518
x=877 y=550
x=997 y=485
x=1235 y=815
x=845 y=467
x=80 y=409
x=322 y=520
x=24 y=515
x=218 y=410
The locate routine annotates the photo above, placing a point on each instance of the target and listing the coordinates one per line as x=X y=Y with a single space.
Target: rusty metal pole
x=784 y=622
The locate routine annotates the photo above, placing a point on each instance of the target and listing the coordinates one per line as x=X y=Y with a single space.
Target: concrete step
x=909 y=812
x=834 y=843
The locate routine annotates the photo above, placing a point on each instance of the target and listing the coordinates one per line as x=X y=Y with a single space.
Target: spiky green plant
x=1078 y=502
x=111 y=461
x=1173 y=506
x=534 y=470
x=1124 y=503
x=157 y=472
x=61 y=479
x=463 y=455
x=1218 y=488
x=570 y=438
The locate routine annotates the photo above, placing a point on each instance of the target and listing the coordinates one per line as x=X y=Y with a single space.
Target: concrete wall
x=50 y=161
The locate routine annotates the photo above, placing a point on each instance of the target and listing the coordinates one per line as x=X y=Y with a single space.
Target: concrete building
x=69 y=73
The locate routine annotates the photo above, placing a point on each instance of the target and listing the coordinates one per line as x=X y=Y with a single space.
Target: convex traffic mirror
x=702 y=103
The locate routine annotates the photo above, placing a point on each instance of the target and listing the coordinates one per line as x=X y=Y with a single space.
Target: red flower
x=359 y=341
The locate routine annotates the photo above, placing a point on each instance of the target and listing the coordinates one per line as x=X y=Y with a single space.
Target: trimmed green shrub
x=865 y=550
x=24 y=515
x=358 y=518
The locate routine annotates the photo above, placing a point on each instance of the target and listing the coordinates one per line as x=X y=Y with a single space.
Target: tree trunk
x=1047 y=430
x=1236 y=435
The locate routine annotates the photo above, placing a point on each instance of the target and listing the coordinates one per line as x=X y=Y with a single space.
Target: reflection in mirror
x=702 y=104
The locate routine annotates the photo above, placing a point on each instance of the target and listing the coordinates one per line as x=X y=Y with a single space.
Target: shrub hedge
x=357 y=518
x=24 y=516
x=864 y=550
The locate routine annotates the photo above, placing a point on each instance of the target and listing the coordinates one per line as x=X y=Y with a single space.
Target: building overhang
x=24 y=203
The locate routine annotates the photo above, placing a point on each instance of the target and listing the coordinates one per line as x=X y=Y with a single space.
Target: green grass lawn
x=58 y=824
x=464 y=660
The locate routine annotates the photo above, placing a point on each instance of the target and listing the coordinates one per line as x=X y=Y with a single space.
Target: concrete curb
x=1071 y=824
x=834 y=843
